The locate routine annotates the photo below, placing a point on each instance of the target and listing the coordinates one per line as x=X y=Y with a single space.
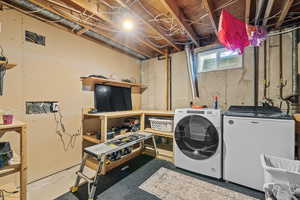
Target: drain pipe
x=256 y=75
x=191 y=71
x=295 y=81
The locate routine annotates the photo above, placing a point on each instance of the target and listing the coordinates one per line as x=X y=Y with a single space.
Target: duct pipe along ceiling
x=30 y=7
x=192 y=72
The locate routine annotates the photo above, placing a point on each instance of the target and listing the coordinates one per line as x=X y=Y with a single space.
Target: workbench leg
x=77 y=181
x=154 y=145
x=23 y=172
x=103 y=129
x=92 y=190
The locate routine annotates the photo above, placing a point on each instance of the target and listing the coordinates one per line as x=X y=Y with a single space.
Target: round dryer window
x=196 y=137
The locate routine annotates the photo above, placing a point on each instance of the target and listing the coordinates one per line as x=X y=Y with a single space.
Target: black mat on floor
x=123 y=183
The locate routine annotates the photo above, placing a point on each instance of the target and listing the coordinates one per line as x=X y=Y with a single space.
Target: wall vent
x=35 y=38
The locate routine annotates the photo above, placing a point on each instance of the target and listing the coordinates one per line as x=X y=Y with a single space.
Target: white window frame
x=218 y=50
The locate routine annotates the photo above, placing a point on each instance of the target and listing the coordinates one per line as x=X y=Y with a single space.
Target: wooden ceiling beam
x=247 y=11
x=91 y=7
x=176 y=12
x=213 y=19
x=286 y=7
x=268 y=12
x=146 y=20
x=87 y=27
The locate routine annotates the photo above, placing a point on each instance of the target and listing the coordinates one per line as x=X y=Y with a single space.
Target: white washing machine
x=249 y=132
x=198 y=141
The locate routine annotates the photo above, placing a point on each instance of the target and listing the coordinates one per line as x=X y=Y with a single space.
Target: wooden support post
x=142 y=121
x=103 y=129
x=23 y=171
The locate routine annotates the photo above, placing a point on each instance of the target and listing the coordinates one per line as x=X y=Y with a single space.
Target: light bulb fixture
x=128 y=25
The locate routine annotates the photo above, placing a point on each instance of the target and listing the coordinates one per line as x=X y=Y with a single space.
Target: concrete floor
x=55 y=185
x=125 y=182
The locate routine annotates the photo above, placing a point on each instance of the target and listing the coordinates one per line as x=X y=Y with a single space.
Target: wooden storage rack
x=102 y=123
x=21 y=166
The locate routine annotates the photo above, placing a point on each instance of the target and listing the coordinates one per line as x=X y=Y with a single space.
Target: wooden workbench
x=20 y=166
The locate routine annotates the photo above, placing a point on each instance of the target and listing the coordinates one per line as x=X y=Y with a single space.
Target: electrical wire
x=61 y=132
x=283 y=32
x=230 y=2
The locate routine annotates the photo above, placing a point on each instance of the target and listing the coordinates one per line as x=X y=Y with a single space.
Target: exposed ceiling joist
x=286 y=7
x=176 y=12
x=268 y=12
x=91 y=7
x=247 y=11
x=210 y=8
x=146 y=19
x=87 y=27
x=61 y=27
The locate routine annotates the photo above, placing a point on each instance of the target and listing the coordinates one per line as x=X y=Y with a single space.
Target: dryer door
x=196 y=137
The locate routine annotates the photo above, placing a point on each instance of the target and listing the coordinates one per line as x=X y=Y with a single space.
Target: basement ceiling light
x=128 y=25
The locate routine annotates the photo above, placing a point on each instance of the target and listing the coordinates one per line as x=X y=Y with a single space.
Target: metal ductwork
x=24 y=4
x=192 y=71
x=260 y=8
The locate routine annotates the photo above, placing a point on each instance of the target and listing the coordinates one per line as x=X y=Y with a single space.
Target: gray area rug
x=167 y=184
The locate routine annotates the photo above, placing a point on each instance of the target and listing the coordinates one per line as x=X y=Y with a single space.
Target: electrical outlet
x=55 y=106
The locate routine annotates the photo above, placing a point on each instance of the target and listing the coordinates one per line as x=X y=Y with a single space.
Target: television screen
x=112 y=98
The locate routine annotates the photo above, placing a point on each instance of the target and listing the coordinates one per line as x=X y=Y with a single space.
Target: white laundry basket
x=283 y=174
x=165 y=125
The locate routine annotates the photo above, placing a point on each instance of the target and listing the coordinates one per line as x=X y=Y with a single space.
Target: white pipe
x=189 y=60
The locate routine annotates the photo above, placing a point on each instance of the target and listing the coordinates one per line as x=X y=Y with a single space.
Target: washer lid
x=197 y=137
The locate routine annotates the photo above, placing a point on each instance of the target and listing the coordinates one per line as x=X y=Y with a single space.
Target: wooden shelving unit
x=20 y=166
x=100 y=124
x=9 y=65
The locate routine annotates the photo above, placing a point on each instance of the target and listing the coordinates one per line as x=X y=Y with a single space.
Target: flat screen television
x=112 y=98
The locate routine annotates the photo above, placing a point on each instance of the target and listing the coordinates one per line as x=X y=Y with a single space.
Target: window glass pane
x=218 y=59
x=229 y=59
x=207 y=62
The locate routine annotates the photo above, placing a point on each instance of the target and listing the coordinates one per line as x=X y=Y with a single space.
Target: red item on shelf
x=7 y=119
x=232 y=32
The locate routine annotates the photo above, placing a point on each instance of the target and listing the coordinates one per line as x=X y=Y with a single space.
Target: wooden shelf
x=14 y=166
x=131 y=113
x=159 y=133
x=93 y=81
x=9 y=65
x=10 y=188
x=15 y=124
x=91 y=138
x=165 y=153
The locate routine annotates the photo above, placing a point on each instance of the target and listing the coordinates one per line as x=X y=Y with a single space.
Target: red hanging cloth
x=232 y=32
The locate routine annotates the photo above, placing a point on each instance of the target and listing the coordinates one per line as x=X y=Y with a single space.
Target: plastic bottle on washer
x=215 y=102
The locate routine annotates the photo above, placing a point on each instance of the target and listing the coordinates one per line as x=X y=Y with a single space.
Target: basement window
x=218 y=59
